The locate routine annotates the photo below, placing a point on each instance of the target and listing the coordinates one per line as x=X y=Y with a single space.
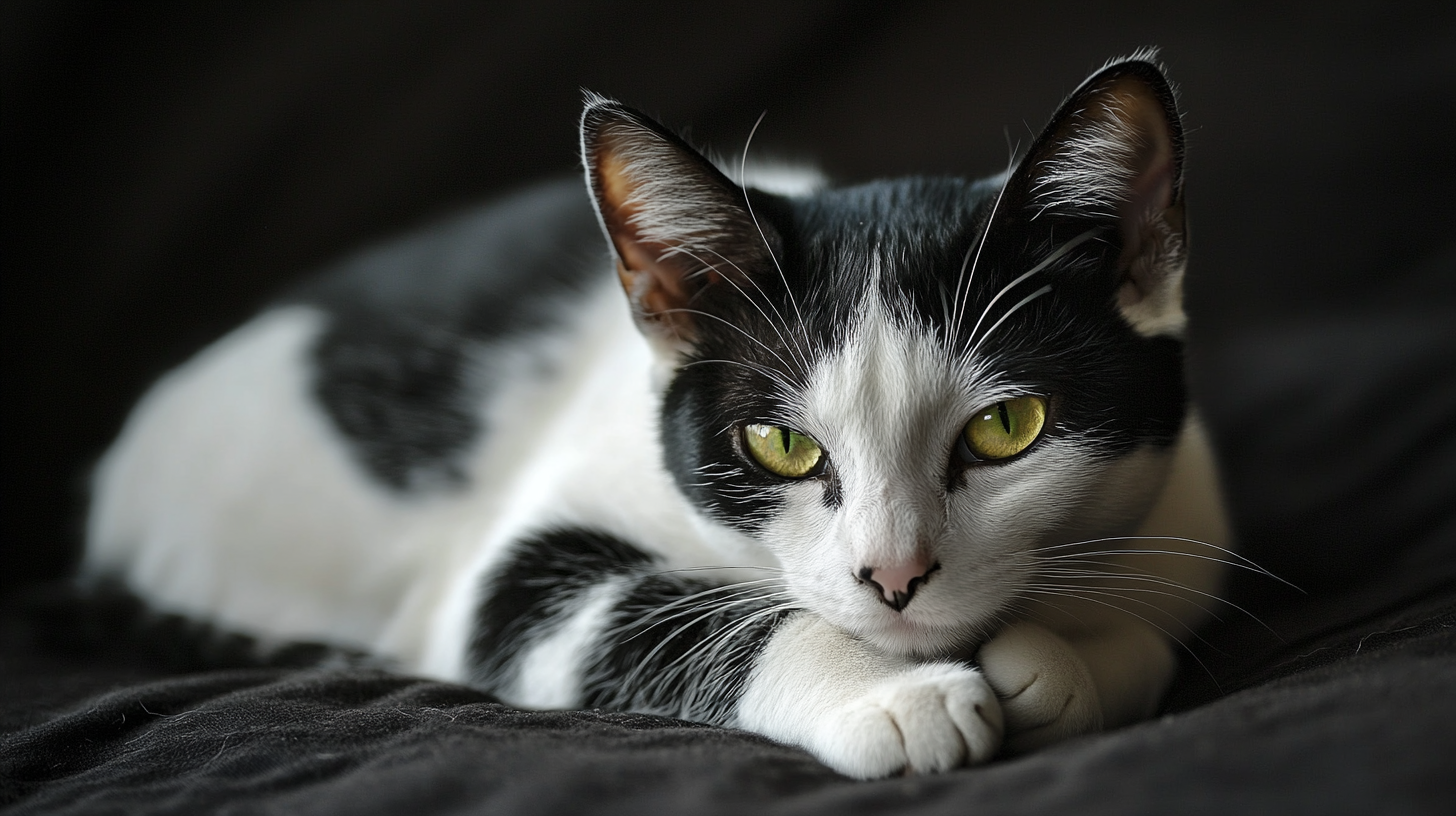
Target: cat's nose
x=896 y=584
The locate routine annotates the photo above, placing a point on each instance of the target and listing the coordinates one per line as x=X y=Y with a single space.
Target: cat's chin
x=906 y=637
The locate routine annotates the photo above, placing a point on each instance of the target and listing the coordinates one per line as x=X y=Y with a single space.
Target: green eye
x=1006 y=428
x=781 y=451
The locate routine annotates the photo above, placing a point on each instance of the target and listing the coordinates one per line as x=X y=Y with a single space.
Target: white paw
x=1046 y=691
x=929 y=719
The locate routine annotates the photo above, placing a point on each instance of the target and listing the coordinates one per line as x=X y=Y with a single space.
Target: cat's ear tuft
x=1114 y=151
x=676 y=224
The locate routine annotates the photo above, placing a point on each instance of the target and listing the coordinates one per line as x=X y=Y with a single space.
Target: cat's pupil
x=788 y=438
x=1005 y=417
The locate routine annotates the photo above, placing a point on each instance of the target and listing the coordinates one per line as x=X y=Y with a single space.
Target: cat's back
x=292 y=479
x=415 y=329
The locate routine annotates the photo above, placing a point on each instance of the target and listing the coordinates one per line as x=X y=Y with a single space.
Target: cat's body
x=469 y=453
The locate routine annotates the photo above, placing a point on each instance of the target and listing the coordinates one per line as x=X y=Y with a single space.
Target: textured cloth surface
x=1359 y=721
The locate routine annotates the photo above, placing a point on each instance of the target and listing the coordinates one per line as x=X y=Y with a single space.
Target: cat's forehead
x=892 y=372
x=899 y=218
x=902 y=242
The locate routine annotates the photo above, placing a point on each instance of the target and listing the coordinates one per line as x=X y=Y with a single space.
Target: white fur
x=1046 y=691
x=1092 y=168
x=1160 y=312
x=864 y=712
x=670 y=207
x=580 y=450
x=889 y=407
x=780 y=178
x=549 y=675
x=1115 y=644
x=228 y=498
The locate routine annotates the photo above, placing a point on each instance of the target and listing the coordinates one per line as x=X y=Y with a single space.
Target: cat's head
x=904 y=389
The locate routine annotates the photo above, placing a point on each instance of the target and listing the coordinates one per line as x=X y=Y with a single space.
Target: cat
x=904 y=473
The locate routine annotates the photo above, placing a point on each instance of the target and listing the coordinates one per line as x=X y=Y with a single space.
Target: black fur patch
x=690 y=662
x=660 y=652
x=396 y=369
x=400 y=392
x=543 y=573
x=103 y=617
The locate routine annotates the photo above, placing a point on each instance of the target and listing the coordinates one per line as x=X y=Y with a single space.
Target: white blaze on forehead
x=887 y=406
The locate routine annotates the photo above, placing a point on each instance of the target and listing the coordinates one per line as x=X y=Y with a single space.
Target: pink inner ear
x=1150 y=187
x=1149 y=195
x=677 y=224
x=654 y=286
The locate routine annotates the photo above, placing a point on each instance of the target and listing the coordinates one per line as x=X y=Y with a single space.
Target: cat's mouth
x=921 y=629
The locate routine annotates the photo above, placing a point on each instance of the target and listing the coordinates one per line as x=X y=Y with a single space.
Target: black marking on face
x=833 y=489
x=754 y=359
x=543 y=574
x=396 y=369
x=1108 y=384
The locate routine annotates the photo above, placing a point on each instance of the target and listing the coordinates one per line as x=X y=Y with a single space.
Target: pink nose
x=896 y=584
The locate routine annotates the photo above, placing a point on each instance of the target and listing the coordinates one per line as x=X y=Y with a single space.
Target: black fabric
x=169 y=167
x=1360 y=722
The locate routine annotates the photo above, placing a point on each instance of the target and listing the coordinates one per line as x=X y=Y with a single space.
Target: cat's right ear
x=676 y=224
x=1113 y=155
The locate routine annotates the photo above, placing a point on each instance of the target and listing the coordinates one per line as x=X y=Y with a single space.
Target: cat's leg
x=729 y=655
x=1103 y=654
x=864 y=713
x=1052 y=686
x=575 y=618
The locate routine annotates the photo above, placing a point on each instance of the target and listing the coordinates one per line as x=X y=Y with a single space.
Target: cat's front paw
x=929 y=719
x=1045 y=689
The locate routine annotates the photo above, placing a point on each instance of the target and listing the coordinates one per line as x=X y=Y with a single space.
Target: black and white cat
x=900 y=472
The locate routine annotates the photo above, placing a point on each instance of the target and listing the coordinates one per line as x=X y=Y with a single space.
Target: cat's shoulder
x=397 y=364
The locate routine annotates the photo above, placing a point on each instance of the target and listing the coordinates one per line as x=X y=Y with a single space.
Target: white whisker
x=769 y=373
x=1054 y=573
x=1215 y=559
x=671 y=636
x=739 y=329
x=794 y=347
x=961 y=304
x=1013 y=310
x=748 y=204
x=1165 y=632
x=1242 y=562
x=1064 y=582
x=1053 y=257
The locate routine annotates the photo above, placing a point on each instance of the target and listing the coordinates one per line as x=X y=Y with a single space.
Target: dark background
x=169 y=167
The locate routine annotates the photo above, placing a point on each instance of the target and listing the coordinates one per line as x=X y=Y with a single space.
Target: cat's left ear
x=1114 y=153
x=677 y=224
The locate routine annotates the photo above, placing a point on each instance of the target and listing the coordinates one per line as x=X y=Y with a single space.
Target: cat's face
x=908 y=390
